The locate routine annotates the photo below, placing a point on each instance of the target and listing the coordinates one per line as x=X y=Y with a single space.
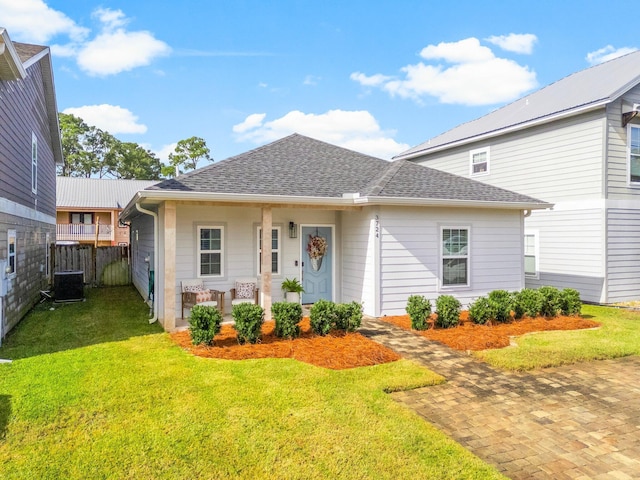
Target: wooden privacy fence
x=102 y=266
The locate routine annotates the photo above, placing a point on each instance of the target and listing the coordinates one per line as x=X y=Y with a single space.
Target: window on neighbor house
x=210 y=251
x=479 y=161
x=275 y=250
x=11 y=245
x=82 y=218
x=34 y=163
x=455 y=256
x=531 y=254
x=634 y=153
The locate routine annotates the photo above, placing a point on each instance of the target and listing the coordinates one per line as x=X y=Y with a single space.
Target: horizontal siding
x=555 y=162
x=410 y=253
x=359 y=259
x=623 y=255
x=617 y=152
x=571 y=244
x=23 y=111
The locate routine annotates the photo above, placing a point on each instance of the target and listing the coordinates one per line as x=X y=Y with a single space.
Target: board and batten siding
x=23 y=112
x=623 y=255
x=617 y=168
x=571 y=249
x=141 y=247
x=410 y=259
x=360 y=259
x=558 y=161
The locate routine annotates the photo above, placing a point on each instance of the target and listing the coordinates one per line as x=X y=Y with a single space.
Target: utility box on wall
x=68 y=286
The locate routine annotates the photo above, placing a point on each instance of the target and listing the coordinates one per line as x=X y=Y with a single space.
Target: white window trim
x=34 y=163
x=199 y=251
x=474 y=152
x=536 y=252
x=11 y=233
x=629 y=128
x=442 y=257
x=278 y=250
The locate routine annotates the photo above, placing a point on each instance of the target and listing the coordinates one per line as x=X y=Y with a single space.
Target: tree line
x=91 y=152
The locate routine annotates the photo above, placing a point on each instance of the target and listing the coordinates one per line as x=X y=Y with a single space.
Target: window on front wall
x=634 y=154
x=83 y=218
x=275 y=250
x=210 y=251
x=531 y=254
x=455 y=256
x=479 y=161
x=11 y=245
x=34 y=163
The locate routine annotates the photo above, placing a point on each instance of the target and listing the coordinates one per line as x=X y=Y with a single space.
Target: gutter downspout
x=154 y=318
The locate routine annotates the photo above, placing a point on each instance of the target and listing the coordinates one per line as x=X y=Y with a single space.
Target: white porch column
x=169 y=265
x=265 y=267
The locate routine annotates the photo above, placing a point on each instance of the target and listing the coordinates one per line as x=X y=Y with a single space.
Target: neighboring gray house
x=576 y=144
x=29 y=151
x=391 y=229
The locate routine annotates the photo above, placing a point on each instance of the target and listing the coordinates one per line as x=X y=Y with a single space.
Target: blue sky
x=374 y=76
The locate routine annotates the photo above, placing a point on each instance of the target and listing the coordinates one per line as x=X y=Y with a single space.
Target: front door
x=317 y=263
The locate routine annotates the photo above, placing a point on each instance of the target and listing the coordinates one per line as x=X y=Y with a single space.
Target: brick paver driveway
x=580 y=421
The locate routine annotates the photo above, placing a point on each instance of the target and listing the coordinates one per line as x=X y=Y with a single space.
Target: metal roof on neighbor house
x=97 y=192
x=299 y=166
x=592 y=87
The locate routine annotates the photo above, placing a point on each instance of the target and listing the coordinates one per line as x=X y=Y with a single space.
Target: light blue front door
x=317 y=270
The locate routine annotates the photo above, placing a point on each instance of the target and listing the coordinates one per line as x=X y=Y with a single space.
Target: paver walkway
x=579 y=422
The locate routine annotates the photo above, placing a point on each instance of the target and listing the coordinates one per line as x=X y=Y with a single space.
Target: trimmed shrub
x=448 y=310
x=322 y=316
x=248 y=319
x=348 y=316
x=418 y=308
x=500 y=301
x=551 y=301
x=527 y=302
x=518 y=310
x=481 y=311
x=204 y=324
x=570 y=303
x=287 y=315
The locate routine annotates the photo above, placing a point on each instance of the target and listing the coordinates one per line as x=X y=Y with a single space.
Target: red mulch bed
x=337 y=351
x=469 y=336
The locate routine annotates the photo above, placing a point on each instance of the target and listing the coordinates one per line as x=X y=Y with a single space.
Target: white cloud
x=311 y=80
x=515 y=42
x=163 y=153
x=607 y=53
x=34 y=21
x=118 y=51
x=111 y=19
x=357 y=130
x=111 y=118
x=474 y=76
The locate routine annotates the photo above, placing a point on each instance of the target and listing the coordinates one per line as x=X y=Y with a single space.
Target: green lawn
x=94 y=391
x=619 y=336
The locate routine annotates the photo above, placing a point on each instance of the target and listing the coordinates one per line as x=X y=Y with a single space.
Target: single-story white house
x=349 y=226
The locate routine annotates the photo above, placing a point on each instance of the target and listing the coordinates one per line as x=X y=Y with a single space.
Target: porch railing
x=82 y=232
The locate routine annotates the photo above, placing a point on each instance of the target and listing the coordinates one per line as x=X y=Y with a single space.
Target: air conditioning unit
x=68 y=286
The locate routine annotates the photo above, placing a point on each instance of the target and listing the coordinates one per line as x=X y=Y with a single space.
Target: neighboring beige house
x=351 y=227
x=576 y=144
x=87 y=210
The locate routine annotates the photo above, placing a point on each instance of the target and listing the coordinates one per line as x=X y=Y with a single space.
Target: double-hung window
x=455 y=256
x=11 y=244
x=634 y=153
x=34 y=163
x=210 y=251
x=479 y=162
x=275 y=250
x=531 y=254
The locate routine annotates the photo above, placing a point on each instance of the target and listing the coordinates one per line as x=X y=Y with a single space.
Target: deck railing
x=82 y=232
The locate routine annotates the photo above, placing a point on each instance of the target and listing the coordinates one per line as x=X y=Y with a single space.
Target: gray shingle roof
x=599 y=84
x=96 y=192
x=300 y=166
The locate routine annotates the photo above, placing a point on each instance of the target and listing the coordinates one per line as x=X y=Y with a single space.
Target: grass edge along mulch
x=469 y=336
x=337 y=351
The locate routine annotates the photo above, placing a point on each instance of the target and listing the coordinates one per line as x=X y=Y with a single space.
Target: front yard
x=94 y=391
